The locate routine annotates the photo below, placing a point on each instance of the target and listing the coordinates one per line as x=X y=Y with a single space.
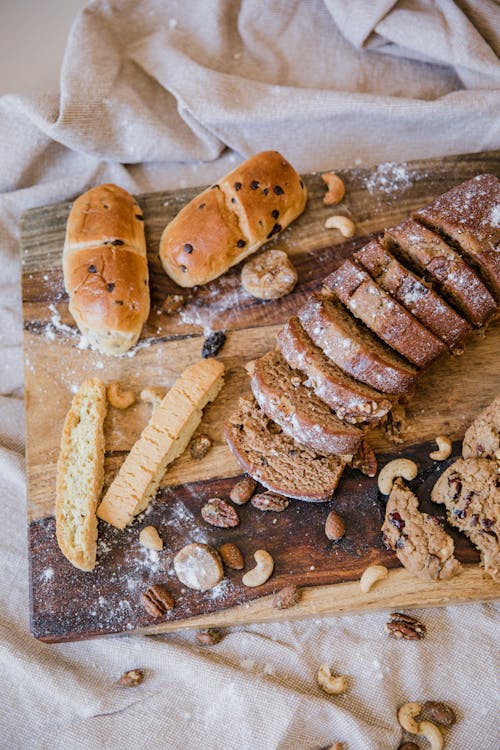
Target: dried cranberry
x=487 y=523
x=396 y=520
x=474 y=520
x=455 y=481
x=213 y=344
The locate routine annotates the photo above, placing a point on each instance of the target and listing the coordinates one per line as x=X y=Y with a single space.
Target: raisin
x=254 y=184
x=237 y=186
x=118 y=302
x=241 y=243
x=110 y=287
x=117 y=242
x=213 y=344
x=188 y=248
x=265 y=191
x=301 y=184
x=233 y=200
x=140 y=217
x=275 y=213
x=278 y=190
x=183 y=268
x=202 y=205
x=92 y=269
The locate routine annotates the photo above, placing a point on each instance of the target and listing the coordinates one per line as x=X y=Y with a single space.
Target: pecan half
x=270 y=501
x=231 y=556
x=287 y=597
x=405 y=627
x=219 y=513
x=438 y=713
x=365 y=460
x=132 y=678
x=157 y=600
x=243 y=490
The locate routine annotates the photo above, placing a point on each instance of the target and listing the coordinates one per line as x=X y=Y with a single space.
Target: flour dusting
x=389 y=178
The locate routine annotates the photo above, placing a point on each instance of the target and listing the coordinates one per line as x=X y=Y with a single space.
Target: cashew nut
x=445 y=447
x=400 y=467
x=342 y=223
x=118 y=398
x=152 y=395
x=262 y=571
x=406 y=716
x=370 y=577
x=330 y=684
x=336 y=189
x=150 y=538
x=432 y=733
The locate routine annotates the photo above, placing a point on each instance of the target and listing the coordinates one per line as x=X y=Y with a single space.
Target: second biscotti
x=230 y=220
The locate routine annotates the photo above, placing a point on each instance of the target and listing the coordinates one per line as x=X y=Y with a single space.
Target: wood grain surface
x=67 y=604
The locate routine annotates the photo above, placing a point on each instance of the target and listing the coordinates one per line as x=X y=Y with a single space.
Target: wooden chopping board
x=67 y=604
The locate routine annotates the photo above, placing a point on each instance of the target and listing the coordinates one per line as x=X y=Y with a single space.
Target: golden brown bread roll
x=105 y=268
x=232 y=219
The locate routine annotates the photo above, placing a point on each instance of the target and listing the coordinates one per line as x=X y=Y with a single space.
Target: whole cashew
x=336 y=189
x=345 y=226
x=400 y=467
x=406 y=716
x=262 y=571
x=445 y=447
x=330 y=684
x=371 y=575
x=118 y=398
x=152 y=395
x=432 y=733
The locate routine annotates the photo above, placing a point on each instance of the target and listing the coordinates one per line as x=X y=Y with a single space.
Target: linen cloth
x=157 y=95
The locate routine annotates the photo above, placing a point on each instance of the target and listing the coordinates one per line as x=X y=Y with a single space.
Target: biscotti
x=165 y=437
x=80 y=472
x=278 y=462
x=470 y=490
x=419 y=298
x=281 y=395
x=430 y=255
x=468 y=216
x=105 y=268
x=418 y=539
x=230 y=220
x=353 y=348
x=482 y=438
x=383 y=315
x=351 y=400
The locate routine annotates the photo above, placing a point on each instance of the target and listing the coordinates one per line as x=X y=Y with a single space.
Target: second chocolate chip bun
x=232 y=219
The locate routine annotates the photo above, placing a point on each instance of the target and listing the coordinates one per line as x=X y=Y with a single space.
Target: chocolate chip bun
x=232 y=219
x=105 y=268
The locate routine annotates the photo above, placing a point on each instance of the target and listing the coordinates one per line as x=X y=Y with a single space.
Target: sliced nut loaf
x=428 y=254
x=389 y=320
x=353 y=348
x=470 y=490
x=468 y=216
x=420 y=299
x=482 y=438
x=277 y=461
x=350 y=400
x=281 y=395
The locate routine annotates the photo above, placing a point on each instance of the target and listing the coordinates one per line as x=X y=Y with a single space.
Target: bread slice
x=468 y=216
x=482 y=438
x=276 y=460
x=353 y=348
x=383 y=315
x=165 y=437
x=80 y=473
x=429 y=255
x=297 y=410
x=419 y=298
x=350 y=400
x=420 y=542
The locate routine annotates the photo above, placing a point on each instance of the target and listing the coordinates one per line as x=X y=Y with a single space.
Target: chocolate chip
x=301 y=184
x=118 y=302
x=202 y=205
x=241 y=243
x=237 y=186
x=140 y=217
x=265 y=191
x=254 y=184
x=92 y=269
x=188 y=248
x=183 y=268
x=277 y=228
x=117 y=242
x=275 y=213
x=278 y=190
x=233 y=200
x=110 y=287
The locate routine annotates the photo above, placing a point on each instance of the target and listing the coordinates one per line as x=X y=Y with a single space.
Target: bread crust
x=230 y=220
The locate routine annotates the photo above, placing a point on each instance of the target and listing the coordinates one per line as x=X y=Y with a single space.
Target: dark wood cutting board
x=67 y=604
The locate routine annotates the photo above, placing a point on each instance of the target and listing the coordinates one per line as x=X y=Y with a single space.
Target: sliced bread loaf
x=80 y=472
x=468 y=216
x=278 y=462
x=281 y=395
x=428 y=254
x=383 y=315
x=353 y=348
x=419 y=298
x=351 y=400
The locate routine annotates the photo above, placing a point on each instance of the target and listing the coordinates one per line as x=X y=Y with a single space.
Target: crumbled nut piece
x=371 y=575
x=152 y=395
x=439 y=713
x=132 y=678
x=118 y=398
x=270 y=501
x=365 y=460
x=200 y=446
x=287 y=597
x=231 y=556
x=334 y=526
x=330 y=684
x=213 y=344
x=336 y=189
x=243 y=490
x=150 y=538
x=157 y=600
x=395 y=424
x=405 y=627
x=270 y=275
x=219 y=513
x=345 y=226
x=172 y=304
x=209 y=636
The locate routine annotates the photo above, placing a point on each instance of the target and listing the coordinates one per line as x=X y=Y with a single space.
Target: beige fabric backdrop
x=155 y=95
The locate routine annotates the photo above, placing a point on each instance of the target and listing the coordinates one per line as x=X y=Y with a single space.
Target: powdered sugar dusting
x=495 y=215
x=388 y=178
